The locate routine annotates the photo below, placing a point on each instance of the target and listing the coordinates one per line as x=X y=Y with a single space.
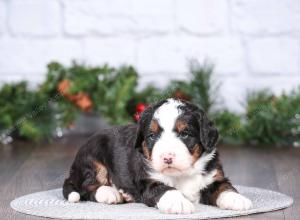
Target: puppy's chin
x=172 y=171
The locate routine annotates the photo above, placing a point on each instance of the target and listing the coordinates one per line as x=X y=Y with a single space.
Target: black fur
x=119 y=149
x=207 y=197
x=126 y=167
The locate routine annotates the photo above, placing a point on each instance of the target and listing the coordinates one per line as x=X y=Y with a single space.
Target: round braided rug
x=52 y=204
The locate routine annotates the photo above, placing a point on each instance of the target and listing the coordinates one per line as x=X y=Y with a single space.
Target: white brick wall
x=2 y=17
x=34 y=18
x=266 y=17
x=202 y=16
x=254 y=44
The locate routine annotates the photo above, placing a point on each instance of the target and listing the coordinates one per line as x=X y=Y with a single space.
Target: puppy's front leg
x=222 y=194
x=167 y=199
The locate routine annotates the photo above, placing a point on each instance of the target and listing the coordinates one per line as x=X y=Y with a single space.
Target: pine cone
x=63 y=86
x=84 y=102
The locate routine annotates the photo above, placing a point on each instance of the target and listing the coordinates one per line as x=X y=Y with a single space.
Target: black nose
x=168 y=160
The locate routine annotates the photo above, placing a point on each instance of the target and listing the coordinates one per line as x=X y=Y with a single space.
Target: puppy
x=169 y=161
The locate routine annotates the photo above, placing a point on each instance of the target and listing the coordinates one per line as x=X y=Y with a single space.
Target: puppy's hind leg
x=70 y=191
x=98 y=186
x=71 y=186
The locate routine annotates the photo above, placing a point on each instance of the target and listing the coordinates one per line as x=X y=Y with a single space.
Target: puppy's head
x=173 y=135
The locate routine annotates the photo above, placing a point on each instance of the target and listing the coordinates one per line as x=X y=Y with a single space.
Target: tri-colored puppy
x=169 y=161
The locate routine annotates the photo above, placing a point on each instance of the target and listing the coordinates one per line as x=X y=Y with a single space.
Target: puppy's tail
x=69 y=191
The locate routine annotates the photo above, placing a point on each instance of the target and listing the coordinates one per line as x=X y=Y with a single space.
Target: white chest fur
x=189 y=185
x=193 y=181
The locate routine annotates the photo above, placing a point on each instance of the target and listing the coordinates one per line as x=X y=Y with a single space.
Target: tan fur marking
x=154 y=127
x=180 y=125
x=146 y=151
x=102 y=175
x=219 y=175
x=93 y=187
x=126 y=197
x=222 y=188
x=196 y=152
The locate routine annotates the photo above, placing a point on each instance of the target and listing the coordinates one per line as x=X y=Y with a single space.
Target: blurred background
x=253 y=44
x=71 y=67
x=106 y=57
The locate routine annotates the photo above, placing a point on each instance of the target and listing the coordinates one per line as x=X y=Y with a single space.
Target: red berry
x=140 y=107
x=137 y=117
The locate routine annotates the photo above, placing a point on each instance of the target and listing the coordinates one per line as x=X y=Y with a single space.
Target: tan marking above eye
x=146 y=151
x=154 y=127
x=180 y=125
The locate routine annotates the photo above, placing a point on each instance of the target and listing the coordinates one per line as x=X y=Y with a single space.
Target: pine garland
x=104 y=89
x=112 y=93
x=24 y=113
x=268 y=119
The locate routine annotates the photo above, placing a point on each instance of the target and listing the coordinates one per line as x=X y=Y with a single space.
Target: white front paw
x=108 y=194
x=173 y=202
x=234 y=201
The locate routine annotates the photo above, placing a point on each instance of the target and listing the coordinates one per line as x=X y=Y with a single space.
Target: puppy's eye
x=152 y=136
x=184 y=134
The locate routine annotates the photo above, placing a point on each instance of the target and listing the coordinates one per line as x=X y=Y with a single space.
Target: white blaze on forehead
x=169 y=143
x=167 y=114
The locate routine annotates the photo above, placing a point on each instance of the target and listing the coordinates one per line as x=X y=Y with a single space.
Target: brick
x=160 y=55
x=96 y=17
x=274 y=56
x=154 y=16
x=225 y=53
x=35 y=18
x=171 y=54
x=260 y=17
x=27 y=56
x=202 y=16
x=114 y=51
x=117 y=17
x=2 y=16
x=154 y=7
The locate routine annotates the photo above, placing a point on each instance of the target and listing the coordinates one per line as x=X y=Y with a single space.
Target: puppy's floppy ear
x=142 y=126
x=208 y=132
x=139 y=139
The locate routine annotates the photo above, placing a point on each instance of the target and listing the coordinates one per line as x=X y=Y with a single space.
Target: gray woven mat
x=51 y=204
